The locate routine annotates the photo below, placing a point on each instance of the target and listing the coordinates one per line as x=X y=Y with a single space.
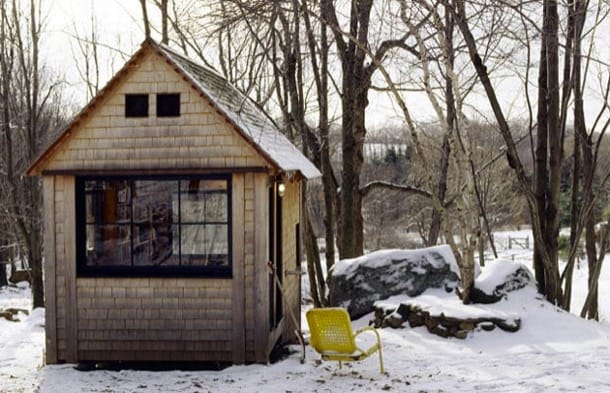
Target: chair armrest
x=367 y=328
x=375 y=346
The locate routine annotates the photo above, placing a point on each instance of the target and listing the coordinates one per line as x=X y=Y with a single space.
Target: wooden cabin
x=164 y=200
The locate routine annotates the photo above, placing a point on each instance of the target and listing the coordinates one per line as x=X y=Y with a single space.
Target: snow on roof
x=243 y=113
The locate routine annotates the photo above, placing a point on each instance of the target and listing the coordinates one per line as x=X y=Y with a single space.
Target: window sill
x=153 y=272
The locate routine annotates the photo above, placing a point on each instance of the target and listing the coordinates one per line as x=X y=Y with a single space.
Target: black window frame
x=178 y=271
x=168 y=105
x=134 y=103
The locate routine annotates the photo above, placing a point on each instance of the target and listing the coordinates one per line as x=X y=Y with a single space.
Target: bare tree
x=358 y=65
x=145 y=19
x=88 y=57
x=589 y=143
x=542 y=194
x=164 y=20
x=29 y=107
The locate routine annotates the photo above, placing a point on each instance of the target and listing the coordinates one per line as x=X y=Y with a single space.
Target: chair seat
x=333 y=338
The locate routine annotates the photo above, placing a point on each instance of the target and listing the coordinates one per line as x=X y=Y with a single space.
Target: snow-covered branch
x=393 y=186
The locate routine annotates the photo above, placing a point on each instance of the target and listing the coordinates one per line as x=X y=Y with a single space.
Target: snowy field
x=553 y=352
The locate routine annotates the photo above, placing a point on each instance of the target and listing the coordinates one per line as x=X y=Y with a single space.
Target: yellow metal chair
x=333 y=338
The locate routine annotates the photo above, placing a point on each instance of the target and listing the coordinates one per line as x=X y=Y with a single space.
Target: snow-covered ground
x=554 y=351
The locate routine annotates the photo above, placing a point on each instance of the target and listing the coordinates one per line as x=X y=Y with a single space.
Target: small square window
x=136 y=105
x=168 y=105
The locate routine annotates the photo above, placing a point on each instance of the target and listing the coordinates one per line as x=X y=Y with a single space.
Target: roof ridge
x=249 y=119
x=245 y=98
x=194 y=62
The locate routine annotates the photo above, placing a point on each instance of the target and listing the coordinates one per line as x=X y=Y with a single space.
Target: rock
x=403 y=311
x=392 y=317
x=393 y=320
x=467 y=325
x=481 y=297
x=358 y=283
x=443 y=324
x=508 y=325
x=487 y=326
x=20 y=276
x=416 y=320
x=499 y=278
x=440 y=331
x=10 y=314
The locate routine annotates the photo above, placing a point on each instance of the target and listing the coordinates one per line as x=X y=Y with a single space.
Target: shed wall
x=154 y=319
x=186 y=319
x=199 y=138
x=163 y=318
x=291 y=210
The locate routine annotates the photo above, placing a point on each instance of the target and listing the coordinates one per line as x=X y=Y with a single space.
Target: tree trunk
x=548 y=155
x=586 y=143
x=575 y=212
x=328 y=177
x=164 y=19
x=553 y=293
x=588 y=200
x=37 y=283
x=540 y=169
x=581 y=166
x=317 y=285
x=435 y=225
x=592 y=311
x=353 y=133
x=3 y=264
x=543 y=198
x=145 y=19
x=356 y=81
x=594 y=275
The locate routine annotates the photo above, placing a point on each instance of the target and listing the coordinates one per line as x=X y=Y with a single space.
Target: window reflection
x=150 y=222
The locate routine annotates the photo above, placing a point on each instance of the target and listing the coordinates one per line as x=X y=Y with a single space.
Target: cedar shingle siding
x=199 y=138
x=170 y=318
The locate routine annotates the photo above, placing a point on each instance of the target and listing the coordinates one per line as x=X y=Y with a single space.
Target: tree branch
x=380 y=184
x=388 y=45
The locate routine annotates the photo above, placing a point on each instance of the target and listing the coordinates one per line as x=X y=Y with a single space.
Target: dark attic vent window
x=168 y=105
x=136 y=105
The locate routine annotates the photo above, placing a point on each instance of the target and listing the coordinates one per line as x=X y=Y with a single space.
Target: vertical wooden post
x=261 y=275
x=70 y=266
x=50 y=279
x=238 y=261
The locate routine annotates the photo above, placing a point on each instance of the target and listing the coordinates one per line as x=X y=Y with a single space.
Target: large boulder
x=359 y=282
x=498 y=279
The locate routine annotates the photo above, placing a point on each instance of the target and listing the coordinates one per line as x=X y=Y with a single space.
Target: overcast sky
x=116 y=24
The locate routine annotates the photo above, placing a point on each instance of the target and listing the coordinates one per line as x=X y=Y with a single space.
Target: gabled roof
x=247 y=118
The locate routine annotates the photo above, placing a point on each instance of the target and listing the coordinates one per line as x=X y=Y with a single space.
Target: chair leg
x=380 y=360
x=340 y=364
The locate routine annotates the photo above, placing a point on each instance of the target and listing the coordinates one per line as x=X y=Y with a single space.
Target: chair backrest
x=331 y=330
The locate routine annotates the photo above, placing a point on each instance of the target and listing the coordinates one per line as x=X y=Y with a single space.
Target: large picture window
x=154 y=225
